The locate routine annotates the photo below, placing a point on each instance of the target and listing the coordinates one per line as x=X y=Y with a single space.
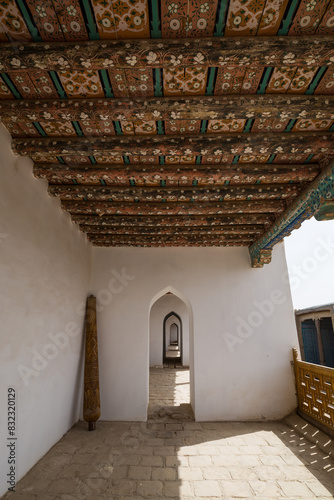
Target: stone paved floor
x=180 y=460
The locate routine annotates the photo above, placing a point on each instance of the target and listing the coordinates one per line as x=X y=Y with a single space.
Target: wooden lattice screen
x=315 y=390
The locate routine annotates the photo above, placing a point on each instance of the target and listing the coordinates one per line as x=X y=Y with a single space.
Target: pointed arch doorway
x=171 y=370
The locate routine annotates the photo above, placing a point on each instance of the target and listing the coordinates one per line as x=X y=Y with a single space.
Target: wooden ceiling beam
x=189 y=145
x=173 y=243
x=150 y=175
x=187 y=209
x=286 y=106
x=170 y=240
x=186 y=230
x=131 y=221
x=171 y=194
x=152 y=53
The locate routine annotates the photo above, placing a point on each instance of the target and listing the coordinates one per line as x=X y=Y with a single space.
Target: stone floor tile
x=207 y=489
x=266 y=488
x=139 y=472
x=152 y=461
x=200 y=461
x=296 y=489
x=318 y=489
x=120 y=487
x=178 y=489
x=216 y=473
x=150 y=489
x=236 y=489
x=164 y=473
x=190 y=473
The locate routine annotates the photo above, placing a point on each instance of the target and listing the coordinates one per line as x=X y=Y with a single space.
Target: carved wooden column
x=91 y=407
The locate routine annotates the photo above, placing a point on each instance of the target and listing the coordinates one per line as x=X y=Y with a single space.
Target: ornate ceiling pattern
x=175 y=123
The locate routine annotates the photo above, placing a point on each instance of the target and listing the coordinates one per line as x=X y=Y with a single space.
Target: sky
x=310 y=258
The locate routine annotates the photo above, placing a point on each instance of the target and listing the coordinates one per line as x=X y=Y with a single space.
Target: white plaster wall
x=44 y=277
x=163 y=306
x=239 y=371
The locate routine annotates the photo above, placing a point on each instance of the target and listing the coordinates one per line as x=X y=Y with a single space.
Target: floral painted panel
x=5 y=93
x=187 y=160
x=122 y=18
x=44 y=158
x=12 y=22
x=127 y=127
x=148 y=160
x=308 y=16
x=148 y=127
x=302 y=80
x=89 y=128
x=109 y=159
x=29 y=129
x=14 y=129
x=326 y=26
x=326 y=84
x=272 y=17
x=134 y=159
x=280 y=80
x=139 y=82
x=81 y=83
x=43 y=84
x=188 y=18
x=72 y=160
x=172 y=160
x=229 y=80
x=290 y=158
x=302 y=125
x=251 y=80
x=254 y=159
x=71 y=19
x=265 y=125
x=182 y=126
x=23 y=84
x=188 y=81
x=243 y=17
x=118 y=82
x=46 y=20
x=58 y=129
x=106 y=127
x=226 y=126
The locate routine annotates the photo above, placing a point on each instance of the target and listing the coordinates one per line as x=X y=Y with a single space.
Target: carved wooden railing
x=315 y=391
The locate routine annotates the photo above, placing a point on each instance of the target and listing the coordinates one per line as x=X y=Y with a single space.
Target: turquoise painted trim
x=59 y=158
x=132 y=182
x=102 y=182
x=118 y=127
x=227 y=183
x=204 y=126
x=195 y=182
x=155 y=23
x=198 y=160
x=106 y=84
x=126 y=160
x=248 y=125
x=303 y=208
x=157 y=86
x=92 y=159
x=313 y=85
x=11 y=86
x=75 y=181
x=57 y=84
x=258 y=182
x=77 y=129
x=162 y=183
x=160 y=128
x=332 y=128
x=29 y=22
x=92 y=33
x=309 y=158
x=220 y=25
x=290 y=126
x=236 y=159
x=39 y=128
x=161 y=160
x=288 y=19
x=211 y=81
x=265 y=80
x=271 y=158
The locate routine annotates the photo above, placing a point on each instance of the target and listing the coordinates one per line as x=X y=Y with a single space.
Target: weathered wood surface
x=150 y=230
x=173 y=243
x=183 y=175
x=141 y=208
x=190 y=145
x=172 y=240
x=91 y=404
x=304 y=207
x=154 y=194
x=150 y=53
x=139 y=221
x=285 y=106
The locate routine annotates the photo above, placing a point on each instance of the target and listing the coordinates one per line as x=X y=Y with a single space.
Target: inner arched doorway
x=172 y=344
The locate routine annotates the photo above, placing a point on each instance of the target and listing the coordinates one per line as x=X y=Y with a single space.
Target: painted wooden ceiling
x=175 y=123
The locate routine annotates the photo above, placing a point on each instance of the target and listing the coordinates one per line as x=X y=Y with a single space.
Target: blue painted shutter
x=310 y=341
x=327 y=336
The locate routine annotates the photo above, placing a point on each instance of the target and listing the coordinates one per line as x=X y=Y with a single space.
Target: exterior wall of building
x=241 y=329
x=44 y=276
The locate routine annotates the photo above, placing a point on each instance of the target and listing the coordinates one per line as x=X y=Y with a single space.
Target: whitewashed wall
x=164 y=305
x=44 y=277
x=240 y=342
